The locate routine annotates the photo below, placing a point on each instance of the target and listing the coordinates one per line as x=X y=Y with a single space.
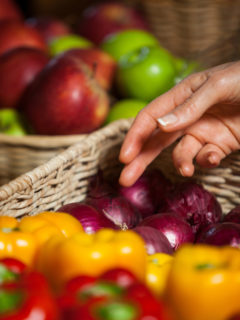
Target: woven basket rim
x=42 y=141
x=75 y=150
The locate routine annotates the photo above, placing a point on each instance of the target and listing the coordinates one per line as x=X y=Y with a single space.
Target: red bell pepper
x=29 y=298
x=110 y=297
x=10 y=269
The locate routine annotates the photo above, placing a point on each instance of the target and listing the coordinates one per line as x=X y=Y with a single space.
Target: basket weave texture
x=19 y=155
x=65 y=178
x=207 y=31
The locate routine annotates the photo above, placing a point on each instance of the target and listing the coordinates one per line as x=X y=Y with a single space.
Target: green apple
x=124 y=109
x=185 y=68
x=67 y=42
x=11 y=123
x=145 y=73
x=121 y=43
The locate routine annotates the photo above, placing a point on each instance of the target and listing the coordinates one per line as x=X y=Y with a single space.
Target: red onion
x=90 y=218
x=221 y=234
x=117 y=209
x=195 y=204
x=155 y=240
x=233 y=215
x=99 y=187
x=173 y=226
x=146 y=193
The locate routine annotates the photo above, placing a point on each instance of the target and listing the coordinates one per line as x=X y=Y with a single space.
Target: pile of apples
x=60 y=80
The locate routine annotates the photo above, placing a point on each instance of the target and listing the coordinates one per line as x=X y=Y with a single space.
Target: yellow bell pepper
x=22 y=239
x=92 y=254
x=204 y=282
x=14 y=243
x=46 y=224
x=158 y=266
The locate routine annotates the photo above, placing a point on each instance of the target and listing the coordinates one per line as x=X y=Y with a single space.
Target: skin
x=202 y=111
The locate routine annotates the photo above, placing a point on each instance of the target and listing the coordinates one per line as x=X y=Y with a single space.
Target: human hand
x=203 y=109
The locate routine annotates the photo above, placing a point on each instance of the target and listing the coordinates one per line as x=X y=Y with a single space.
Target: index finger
x=146 y=121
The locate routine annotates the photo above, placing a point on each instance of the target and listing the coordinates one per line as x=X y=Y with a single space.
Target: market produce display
x=66 y=80
x=158 y=250
x=124 y=253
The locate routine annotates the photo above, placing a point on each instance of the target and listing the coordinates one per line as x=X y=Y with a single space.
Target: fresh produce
x=122 y=277
x=90 y=218
x=194 y=203
x=148 y=192
x=22 y=239
x=125 y=108
x=63 y=43
x=102 y=65
x=18 y=68
x=65 y=99
x=98 y=298
x=9 y=10
x=16 y=34
x=221 y=234
x=233 y=215
x=91 y=255
x=48 y=27
x=158 y=267
x=10 y=270
x=100 y=20
x=117 y=209
x=15 y=243
x=28 y=298
x=123 y=43
x=174 y=227
x=155 y=240
x=185 y=68
x=145 y=73
x=11 y=123
x=203 y=282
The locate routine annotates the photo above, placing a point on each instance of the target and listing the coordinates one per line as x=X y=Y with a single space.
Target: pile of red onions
x=165 y=215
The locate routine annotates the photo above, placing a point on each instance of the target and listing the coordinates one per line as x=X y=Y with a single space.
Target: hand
x=203 y=110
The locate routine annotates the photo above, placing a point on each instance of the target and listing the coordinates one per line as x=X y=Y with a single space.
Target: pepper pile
x=50 y=269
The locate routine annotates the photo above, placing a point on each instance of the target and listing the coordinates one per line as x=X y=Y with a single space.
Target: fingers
x=184 y=153
x=191 y=110
x=221 y=85
x=150 y=151
x=146 y=121
x=210 y=156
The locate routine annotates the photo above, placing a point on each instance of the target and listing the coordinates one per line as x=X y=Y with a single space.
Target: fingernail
x=168 y=119
x=181 y=171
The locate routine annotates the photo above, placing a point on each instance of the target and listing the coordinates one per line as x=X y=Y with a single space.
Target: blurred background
x=205 y=30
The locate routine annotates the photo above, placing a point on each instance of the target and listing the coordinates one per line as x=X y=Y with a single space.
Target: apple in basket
x=16 y=34
x=49 y=27
x=18 y=67
x=102 y=65
x=64 y=98
x=101 y=20
x=9 y=10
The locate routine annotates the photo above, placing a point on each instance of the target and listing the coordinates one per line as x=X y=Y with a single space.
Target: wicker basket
x=19 y=155
x=207 y=31
x=65 y=178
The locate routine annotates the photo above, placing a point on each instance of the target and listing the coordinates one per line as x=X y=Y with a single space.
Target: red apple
x=102 y=65
x=65 y=99
x=9 y=10
x=100 y=20
x=48 y=27
x=16 y=34
x=18 y=67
